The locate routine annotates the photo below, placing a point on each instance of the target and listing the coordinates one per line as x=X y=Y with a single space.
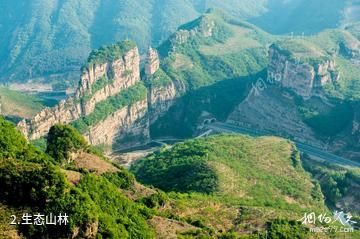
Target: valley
x=223 y=129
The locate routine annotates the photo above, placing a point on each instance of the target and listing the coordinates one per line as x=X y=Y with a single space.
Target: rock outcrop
x=118 y=75
x=303 y=78
x=127 y=125
x=160 y=96
x=205 y=28
x=350 y=51
x=64 y=112
x=101 y=79
x=160 y=99
x=152 y=63
x=121 y=74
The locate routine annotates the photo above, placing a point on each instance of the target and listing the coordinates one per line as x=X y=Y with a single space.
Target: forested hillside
x=217 y=187
x=45 y=37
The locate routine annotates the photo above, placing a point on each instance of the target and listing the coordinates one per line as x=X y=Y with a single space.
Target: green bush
x=181 y=169
x=62 y=140
x=155 y=200
x=284 y=229
x=25 y=183
x=118 y=216
x=109 y=53
x=122 y=179
x=13 y=145
x=330 y=123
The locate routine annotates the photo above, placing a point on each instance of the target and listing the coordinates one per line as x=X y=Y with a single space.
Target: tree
x=62 y=140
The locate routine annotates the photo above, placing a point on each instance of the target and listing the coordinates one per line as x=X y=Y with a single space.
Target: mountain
x=223 y=165
x=226 y=70
x=306 y=16
x=110 y=104
x=48 y=41
x=215 y=58
x=117 y=101
x=242 y=179
x=227 y=184
x=243 y=75
x=310 y=93
x=213 y=68
x=41 y=182
x=55 y=37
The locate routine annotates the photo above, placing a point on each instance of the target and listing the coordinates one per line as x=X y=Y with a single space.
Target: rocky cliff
x=98 y=82
x=304 y=78
x=160 y=99
x=152 y=63
x=104 y=78
x=120 y=74
x=128 y=125
x=64 y=112
x=161 y=89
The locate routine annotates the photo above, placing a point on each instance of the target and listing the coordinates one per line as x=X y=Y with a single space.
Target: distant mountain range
x=45 y=38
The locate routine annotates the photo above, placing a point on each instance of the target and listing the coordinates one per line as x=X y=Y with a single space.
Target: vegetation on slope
x=328 y=45
x=300 y=17
x=109 y=53
x=245 y=182
x=225 y=164
x=216 y=58
x=158 y=79
x=14 y=103
x=32 y=180
x=184 y=169
x=234 y=190
x=211 y=44
x=63 y=140
x=104 y=108
x=56 y=38
x=340 y=186
x=326 y=121
x=14 y=145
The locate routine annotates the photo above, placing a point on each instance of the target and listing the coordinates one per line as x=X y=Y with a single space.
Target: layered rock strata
x=127 y=126
x=303 y=78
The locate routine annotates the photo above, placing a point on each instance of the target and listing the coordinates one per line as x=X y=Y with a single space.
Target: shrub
x=13 y=145
x=181 y=169
x=122 y=179
x=155 y=200
x=284 y=229
x=62 y=140
x=109 y=53
x=25 y=183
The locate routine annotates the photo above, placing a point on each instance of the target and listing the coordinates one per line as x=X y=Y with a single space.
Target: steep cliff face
x=109 y=81
x=98 y=82
x=161 y=89
x=64 y=112
x=127 y=125
x=160 y=99
x=120 y=74
x=303 y=78
x=152 y=63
